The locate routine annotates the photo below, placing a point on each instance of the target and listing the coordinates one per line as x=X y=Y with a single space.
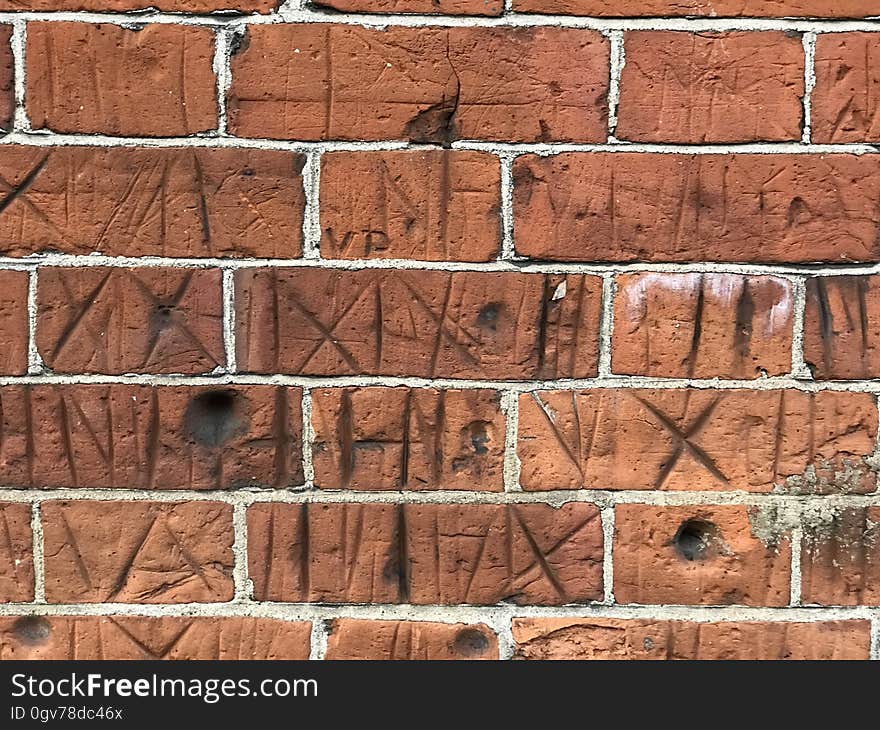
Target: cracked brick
x=431 y=85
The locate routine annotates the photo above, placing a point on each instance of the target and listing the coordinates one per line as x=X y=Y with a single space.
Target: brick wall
x=448 y=329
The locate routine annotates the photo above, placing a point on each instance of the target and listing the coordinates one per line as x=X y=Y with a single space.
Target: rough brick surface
x=714 y=8
x=426 y=323
x=142 y=638
x=173 y=6
x=757 y=441
x=711 y=87
x=99 y=320
x=16 y=553
x=7 y=77
x=702 y=325
x=137 y=552
x=402 y=438
x=672 y=207
x=432 y=206
x=840 y=564
x=446 y=7
x=409 y=640
x=140 y=437
x=564 y=638
x=151 y=202
x=426 y=553
x=13 y=322
x=437 y=84
x=842 y=327
x=156 y=81
x=697 y=555
x=845 y=100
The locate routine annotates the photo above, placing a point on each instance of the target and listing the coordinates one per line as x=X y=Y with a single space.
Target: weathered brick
x=114 y=320
x=417 y=323
x=421 y=84
x=446 y=7
x=137 y=552
x=844 y=102
x=425 y=553
x=697 y=554
x=575 y=638
x=433 y=205
x=671 y=439
x=16 y=553
x=702 y=325
x=408 y=640
x=143 y=638
x=7 y=78
x=156 y=81
x=670 y=207
x=119 y=6
x=711 y=87
x=127 y=201
x=142 y=437
x=842 y=327
x=713 y=8
x=407 y=438
x=13 y=322
x=840 y=560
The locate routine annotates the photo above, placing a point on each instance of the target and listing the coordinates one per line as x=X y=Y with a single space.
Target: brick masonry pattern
x=538 y=329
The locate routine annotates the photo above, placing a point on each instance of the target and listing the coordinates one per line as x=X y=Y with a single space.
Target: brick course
x=410 y=329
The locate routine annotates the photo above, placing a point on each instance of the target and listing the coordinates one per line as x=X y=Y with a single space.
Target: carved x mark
x=682 y=439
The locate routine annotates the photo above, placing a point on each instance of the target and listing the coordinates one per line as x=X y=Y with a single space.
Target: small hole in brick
x=32 y=630
x=479 y=436
x=215 y=417
x=470 y=642
x=163 y=315
x=694 y=539
x=488 y=315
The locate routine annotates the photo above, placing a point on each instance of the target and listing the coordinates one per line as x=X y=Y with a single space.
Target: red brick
x=711 y=87
x=702 y=325
x=127 y=201
x=7 y=78
x=446 y=7
x=155 y=320
x=425 y=553
x=137 y=552
x=587 y=638
x=139 y=637
x=844 y=102
x=119 y=6
x=421 y=84
x=16 y=553
x=431 y=205
x=699 y=554
x=840 y=562
x=842 y=327
x=712 y=8
x=13 y=322
x=667 y=207
x=418 y=323
x=407 y=439
x=718 y=440
x=142 y=437
x=153 y=82
x=408 y=640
